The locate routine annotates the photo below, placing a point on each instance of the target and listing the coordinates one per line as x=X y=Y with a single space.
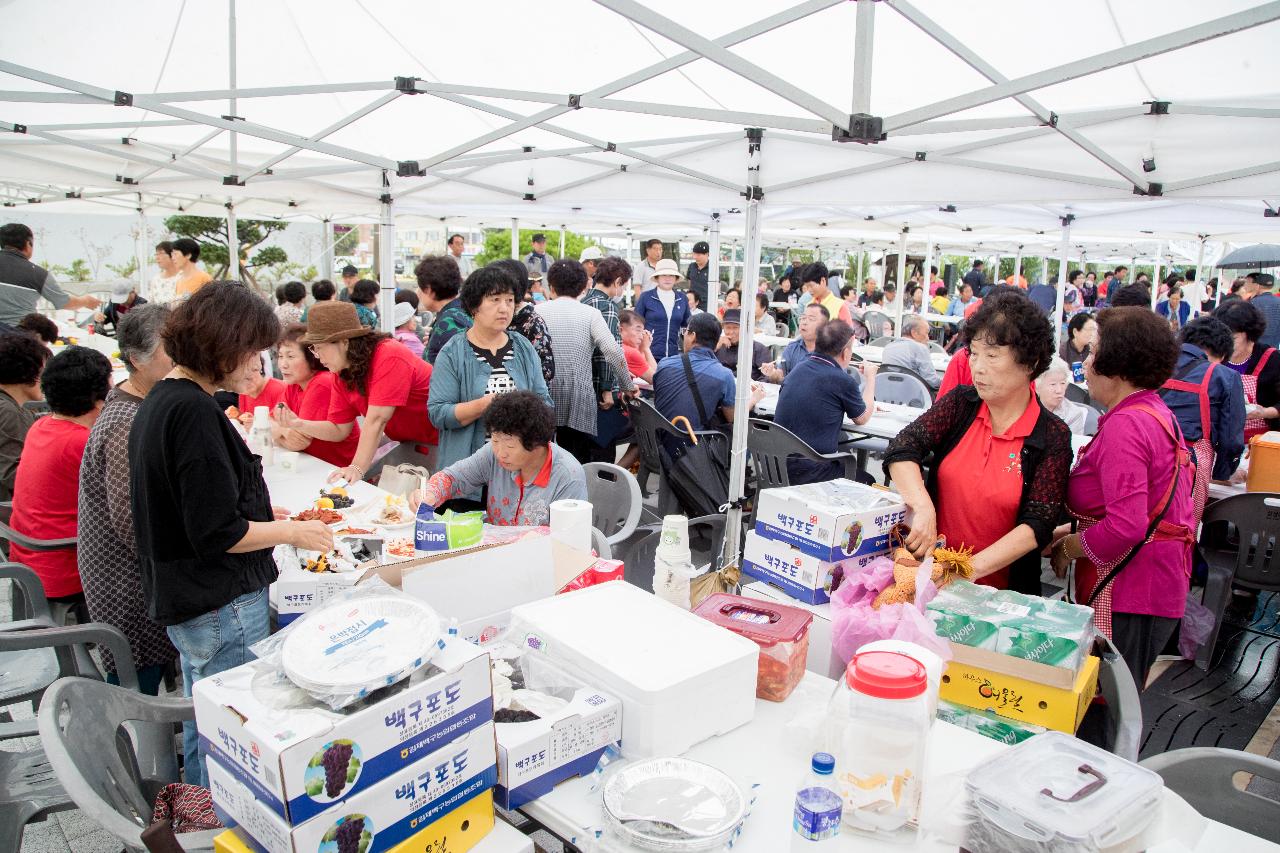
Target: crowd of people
x=525 y=371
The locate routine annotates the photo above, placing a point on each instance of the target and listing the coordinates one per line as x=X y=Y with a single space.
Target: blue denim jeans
x=211 y=643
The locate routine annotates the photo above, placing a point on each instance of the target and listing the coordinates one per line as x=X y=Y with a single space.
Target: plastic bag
x=270 y=651
x=1197 y=627
x=855 y=623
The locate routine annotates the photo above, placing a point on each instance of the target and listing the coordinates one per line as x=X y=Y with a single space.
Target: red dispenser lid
x=886 y=675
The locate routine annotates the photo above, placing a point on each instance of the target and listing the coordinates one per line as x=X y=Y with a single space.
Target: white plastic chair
x=904 y=389
x=615 y=500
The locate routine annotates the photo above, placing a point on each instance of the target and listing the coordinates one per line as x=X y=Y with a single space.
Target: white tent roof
x=325 y=130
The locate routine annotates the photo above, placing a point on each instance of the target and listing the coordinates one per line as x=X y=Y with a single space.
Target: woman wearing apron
x=1257 y=364
x=1131 y=493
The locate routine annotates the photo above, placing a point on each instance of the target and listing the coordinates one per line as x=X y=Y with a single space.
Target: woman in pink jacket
x=1131 y=493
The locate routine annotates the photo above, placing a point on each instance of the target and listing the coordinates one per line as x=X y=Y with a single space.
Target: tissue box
x=987 y=724
x=831 y=521
x=448 y=532
x=272 y=738
x=380 y=817
x=802 y=576
x=536 y=756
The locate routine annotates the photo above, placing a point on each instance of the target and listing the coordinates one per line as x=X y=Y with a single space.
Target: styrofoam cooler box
x=381 y=816
x=274 y=739
x=681 y=679
x=802 y=576
x=832 y=521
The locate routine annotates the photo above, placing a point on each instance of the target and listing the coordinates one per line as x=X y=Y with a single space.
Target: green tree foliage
x=78 y=270
x=211 y=233
x=497 y=244
x=124 y=270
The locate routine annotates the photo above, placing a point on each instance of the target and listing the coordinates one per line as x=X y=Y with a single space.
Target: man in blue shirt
x=963 y=300
x=814 y=318
x=672 y=394
x=1206 y=341
x=818 y=395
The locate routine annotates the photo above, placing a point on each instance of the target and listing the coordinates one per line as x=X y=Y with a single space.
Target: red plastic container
x=781 y=632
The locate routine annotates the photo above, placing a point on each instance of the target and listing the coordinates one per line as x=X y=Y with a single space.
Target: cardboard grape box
x=832 y=521
x=375 y=819
x=275 y=739
x=802 y=576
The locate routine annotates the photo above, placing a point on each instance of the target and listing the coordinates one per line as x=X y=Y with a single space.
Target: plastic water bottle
x=818 y=806
x=260 y=436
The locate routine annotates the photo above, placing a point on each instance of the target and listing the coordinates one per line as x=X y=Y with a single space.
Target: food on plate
x=400 y=547
x=353 y=531
x=395 y=510
x=233 y=413
x=337 y=498
x=328 y=516
x=319 y=565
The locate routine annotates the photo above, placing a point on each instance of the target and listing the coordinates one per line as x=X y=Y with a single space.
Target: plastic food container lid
x=763 y=622
x=1056 y=789
x=886 y=675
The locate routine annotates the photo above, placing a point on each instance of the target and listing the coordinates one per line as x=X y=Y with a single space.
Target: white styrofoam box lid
x=837 y=497
x=620 y=632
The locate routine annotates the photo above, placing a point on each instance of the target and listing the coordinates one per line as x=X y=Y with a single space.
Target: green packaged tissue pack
x=1055 y=633
x=987 y=724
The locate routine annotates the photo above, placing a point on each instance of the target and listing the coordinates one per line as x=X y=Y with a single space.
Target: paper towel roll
x=571 y=523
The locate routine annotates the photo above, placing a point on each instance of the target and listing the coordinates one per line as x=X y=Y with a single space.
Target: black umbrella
x=1251 y=257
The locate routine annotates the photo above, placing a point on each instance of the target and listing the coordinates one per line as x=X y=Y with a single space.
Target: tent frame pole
x=233 y=241
x=329 y=242
x=713 y=267
x=515 y=238
x=1155 y=275
x=1059 y=297
x=1197 y=301
x=139 y=252
x=863 y=54
x=901 y=285
x=742 y=398
x=386 y=264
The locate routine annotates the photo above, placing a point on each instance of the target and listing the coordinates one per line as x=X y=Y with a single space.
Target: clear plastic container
x=1056 y=793
x=818 y=806
x=781 y=632
x=879 y=727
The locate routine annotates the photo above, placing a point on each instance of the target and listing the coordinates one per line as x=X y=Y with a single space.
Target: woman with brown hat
x=377 y=377
x=202 y=516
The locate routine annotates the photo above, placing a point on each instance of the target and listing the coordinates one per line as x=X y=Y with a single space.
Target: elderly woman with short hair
x=990 y=438
x=108 y=550
x=1131 y=492
x=1051 y=388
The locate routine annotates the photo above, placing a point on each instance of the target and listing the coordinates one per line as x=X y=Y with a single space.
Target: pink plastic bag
x=854 y=623
x=1197 y=625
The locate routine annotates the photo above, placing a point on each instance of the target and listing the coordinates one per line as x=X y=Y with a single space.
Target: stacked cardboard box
x=806 y=536
x=297 y=777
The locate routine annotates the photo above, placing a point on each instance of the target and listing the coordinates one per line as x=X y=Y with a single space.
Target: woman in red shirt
x=46 y=491
x=308 y=389
x=377 y=377
x=998 y=462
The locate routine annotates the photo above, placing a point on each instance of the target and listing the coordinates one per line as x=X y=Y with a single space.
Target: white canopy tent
x=944 y=124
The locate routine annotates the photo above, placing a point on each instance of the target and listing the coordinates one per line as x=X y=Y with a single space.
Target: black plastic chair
x=1240 y=541
x=771 y=446
x=653 y=431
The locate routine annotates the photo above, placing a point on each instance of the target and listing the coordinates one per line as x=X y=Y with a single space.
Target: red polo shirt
x=397 y=378
x=980 y=485
x=313 y=405
x=272 y=393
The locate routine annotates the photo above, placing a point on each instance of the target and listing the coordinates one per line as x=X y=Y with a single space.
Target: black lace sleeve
x=1042 y=507
x=929 y=431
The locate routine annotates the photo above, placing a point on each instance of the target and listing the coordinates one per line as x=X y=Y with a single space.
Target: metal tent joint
x=863 y=128
x=753 y=193
x=408 y=169
x=1065 y=220
x=530 y=197
x=921 y=156
x=1270 y=213
x=18 y=128
x=407 y=85
x=123 y=99
x=232 y=181
x=72 y=194
x=1157 y=108
x=575 y=102
x=385 y=198
x=125 y=179
x=1155 y=188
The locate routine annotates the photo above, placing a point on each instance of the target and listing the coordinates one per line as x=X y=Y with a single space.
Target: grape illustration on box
x=333 y=770
x=853 y=534
x=352 y=833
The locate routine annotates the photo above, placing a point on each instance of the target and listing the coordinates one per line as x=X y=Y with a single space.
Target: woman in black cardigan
x=998 y=462
x=203 y=519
